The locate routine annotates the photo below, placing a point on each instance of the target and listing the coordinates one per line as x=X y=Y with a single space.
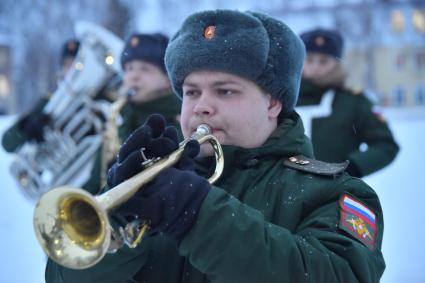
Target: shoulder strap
x=314 y=166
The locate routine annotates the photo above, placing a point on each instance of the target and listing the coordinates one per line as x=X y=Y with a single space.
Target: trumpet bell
x=71 y=227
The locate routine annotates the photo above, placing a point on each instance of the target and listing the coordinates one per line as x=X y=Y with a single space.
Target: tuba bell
x=72 y=225
x=75 y=132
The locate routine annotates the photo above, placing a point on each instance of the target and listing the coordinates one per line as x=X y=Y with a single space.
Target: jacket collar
x=287 y=140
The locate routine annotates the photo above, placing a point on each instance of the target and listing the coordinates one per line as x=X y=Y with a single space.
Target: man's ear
x=275 y=107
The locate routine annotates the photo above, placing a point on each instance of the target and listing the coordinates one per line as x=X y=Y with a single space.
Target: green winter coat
x=265 y=220
x=133 y=116
x=352 y=121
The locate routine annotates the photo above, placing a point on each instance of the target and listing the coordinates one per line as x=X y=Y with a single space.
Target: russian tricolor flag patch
x=358 y=220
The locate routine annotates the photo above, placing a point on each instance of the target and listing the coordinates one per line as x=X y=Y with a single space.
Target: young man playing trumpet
x=275 y=215
x=145 y=79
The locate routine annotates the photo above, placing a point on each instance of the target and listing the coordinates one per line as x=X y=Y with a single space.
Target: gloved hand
x=33 y=126
x=172 y=200
x=150 y=140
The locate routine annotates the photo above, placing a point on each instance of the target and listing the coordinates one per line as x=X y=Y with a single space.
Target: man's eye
x=225 y=92
x=190 y=93
x=324 y=61
x=144 y=69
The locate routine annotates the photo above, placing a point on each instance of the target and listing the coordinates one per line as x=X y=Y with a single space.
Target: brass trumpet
x=72 y=225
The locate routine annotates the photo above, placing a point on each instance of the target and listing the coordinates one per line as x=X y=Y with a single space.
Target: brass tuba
x=75 y=133
x=72 y=225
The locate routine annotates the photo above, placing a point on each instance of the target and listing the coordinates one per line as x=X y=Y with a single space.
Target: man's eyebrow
x=226 y=82
x=190 y=84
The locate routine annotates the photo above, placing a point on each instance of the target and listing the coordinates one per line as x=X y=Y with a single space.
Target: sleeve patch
x=358 y=220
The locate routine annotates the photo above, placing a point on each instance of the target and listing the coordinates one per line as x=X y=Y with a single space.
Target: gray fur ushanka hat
x=251 y=45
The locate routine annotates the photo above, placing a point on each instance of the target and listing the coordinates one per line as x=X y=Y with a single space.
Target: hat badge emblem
x=320 y=40
x=209 y=32
x=134 y=41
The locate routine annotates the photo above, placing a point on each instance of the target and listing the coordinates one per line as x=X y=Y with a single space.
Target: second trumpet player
x=145 y=78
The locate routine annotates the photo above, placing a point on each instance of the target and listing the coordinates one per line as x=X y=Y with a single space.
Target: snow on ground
x=401 y=187
x=22 y=260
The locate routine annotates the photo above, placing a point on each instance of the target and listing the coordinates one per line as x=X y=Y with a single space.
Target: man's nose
x=311 y=69
x=204 y=105
x=135 y=77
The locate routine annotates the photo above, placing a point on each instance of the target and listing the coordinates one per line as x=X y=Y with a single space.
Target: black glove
x=172 y=200
x=149 y=141
x=33 y=126
x=353 y=170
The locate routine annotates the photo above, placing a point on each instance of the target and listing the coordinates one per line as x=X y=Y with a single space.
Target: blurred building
x=33 y=35
x=398 y=54
x=385 y=43
x=400 y=64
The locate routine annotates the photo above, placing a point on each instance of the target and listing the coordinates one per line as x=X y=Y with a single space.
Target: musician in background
x=30 y=126
x=146 y=82
x=337 y=119
x=148 y=88
x=275 y=214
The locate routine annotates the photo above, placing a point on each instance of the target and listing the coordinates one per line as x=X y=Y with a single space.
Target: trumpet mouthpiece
x=131 y=92
x=203 y=129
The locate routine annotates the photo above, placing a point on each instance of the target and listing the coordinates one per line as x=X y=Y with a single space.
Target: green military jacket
x=14 y=137
x=340 y=121
x=133 y=116
x=269 y=218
